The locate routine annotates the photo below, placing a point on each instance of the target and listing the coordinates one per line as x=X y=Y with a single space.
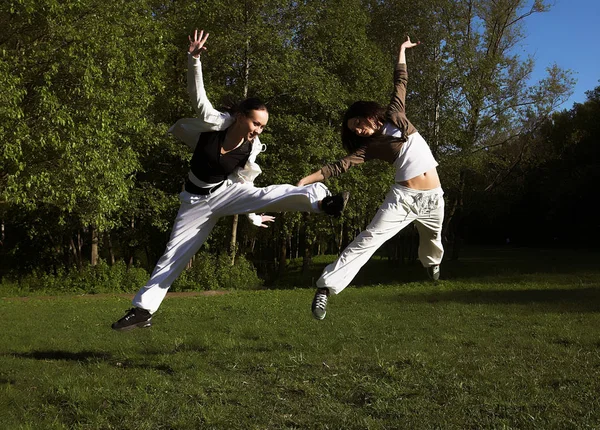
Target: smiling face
x=363 y=127
x=252 y=124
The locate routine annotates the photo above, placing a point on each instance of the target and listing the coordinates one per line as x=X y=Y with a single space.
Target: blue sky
x=568 y=35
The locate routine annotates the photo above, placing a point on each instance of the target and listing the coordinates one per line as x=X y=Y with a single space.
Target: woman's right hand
x=311 y=179
x=197 y=43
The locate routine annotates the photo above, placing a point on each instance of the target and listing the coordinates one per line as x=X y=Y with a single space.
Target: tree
x=82 y=83
x=471 y=90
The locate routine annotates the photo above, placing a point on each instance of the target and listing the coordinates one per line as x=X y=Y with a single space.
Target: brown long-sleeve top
x=385 y=149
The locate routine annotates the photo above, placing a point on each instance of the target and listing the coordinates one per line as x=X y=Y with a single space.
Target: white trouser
x=402 y=206
x=198 y=215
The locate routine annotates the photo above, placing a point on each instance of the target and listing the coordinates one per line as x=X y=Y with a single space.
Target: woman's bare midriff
x=425 y=181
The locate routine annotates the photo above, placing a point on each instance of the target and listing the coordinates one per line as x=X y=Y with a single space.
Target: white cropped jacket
x=188 y=130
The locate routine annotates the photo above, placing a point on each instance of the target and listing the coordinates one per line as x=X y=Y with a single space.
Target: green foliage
x=77 y=112
x=201 y=276
x=101 y=278
x=84 y=107
x=210 y=272
x=207 y=273
x=90 y=88
x=241 y=275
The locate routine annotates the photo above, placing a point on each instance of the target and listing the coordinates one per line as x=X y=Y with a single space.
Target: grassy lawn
x=510 y=339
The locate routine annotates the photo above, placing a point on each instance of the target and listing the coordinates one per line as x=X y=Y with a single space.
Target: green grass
x=503 y=347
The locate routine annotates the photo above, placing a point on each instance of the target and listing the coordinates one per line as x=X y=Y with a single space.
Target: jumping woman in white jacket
x=219 y=183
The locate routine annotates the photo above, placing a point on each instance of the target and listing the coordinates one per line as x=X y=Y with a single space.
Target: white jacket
x=188 y=130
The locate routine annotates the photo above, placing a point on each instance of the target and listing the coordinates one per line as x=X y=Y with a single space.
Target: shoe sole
x=143 y=324
x=318 y=318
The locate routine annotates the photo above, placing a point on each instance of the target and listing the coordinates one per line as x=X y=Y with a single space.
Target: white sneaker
x=319 y=304
x=434 y=272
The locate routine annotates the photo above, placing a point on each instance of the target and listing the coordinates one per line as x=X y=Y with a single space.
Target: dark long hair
x=364 y=109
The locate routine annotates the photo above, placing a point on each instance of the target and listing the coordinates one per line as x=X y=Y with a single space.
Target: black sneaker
x=319 y=304
x=334 y=205
x=135 y=317
x=434 y=272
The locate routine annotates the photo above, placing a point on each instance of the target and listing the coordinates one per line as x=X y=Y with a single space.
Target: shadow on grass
x=80 y=357
x=474 y=265
x=554 y=299
x=90 y=357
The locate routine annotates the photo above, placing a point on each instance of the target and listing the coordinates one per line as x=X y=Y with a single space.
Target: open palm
x=197 y=42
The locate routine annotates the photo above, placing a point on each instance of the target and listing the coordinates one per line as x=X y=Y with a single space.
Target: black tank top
x=209 y=165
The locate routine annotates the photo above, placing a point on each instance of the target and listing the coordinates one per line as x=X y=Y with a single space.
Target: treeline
x=90 y=87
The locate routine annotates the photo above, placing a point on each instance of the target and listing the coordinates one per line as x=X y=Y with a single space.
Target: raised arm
x=197 y=43
x=406 y=45
x=398 y=101
x=195 y=83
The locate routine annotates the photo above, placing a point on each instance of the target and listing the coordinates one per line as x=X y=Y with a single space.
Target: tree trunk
x=307 y=244
x=436 y=109
x=340 y=239
x=94 y=248
x=130 y=249
x=76 y=246
x=73 y=249
x=306 y=258
x=1 y=246
x=452 y=220
x=282 y=255
x=111 y=251
x=233 y=242
x=297 y=251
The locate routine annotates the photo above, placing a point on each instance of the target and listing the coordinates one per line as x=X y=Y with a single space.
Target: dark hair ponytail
x=245 y=106
x=370 y=110
x=249 y=105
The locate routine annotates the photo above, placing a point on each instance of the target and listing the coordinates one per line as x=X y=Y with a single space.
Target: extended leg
x=275 y=198
x=389 y=220
x=431 y=250
x=192 y=226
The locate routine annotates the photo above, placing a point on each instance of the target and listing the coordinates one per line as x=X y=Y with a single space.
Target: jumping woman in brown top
x=370 y=131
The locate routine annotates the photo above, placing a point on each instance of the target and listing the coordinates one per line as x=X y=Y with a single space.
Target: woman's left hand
x=264 y=219
x=408 y=44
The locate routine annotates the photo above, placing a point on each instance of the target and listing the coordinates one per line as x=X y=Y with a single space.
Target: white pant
x=198 y=215
x=402 y=206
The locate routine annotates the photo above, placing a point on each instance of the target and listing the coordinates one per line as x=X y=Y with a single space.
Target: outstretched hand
x=264 y=219
x=197 y=43
x=408 y=44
